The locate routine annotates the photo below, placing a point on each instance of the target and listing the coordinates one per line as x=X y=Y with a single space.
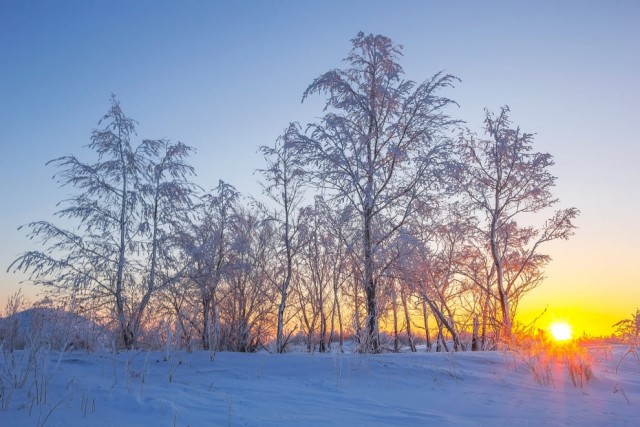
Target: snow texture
x=190 y=389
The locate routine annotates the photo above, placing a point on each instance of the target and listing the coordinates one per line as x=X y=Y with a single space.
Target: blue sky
x=226 y=77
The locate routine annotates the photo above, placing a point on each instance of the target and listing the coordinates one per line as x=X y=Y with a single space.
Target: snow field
x=158 y=388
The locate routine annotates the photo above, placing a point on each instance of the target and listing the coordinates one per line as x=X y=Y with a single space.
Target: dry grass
x=541 y=354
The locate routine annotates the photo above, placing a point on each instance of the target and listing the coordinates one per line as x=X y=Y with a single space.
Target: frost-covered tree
x=120 y=214
x=429 y=263
x=283 y=187
x=629 y=329
x=321 y=275
x=206 y=243
x=93 y=258
x=337 y=249
x=375 y=147
x=502 y=179
x=244 y=298
x=167 y=198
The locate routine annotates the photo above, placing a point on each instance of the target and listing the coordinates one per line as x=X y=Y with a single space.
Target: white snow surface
x=160 y=388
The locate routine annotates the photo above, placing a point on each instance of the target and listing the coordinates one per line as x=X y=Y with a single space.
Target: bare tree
x=375 y=146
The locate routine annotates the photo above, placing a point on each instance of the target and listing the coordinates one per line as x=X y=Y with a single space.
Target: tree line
x=386 y=211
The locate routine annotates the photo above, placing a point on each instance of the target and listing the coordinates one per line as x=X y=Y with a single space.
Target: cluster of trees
x=382 y=212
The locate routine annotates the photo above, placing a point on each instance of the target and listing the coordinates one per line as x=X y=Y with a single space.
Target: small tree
x=206 y=244
x=629 y=329
x=166 y=198
x=93 y=258
x=244 y=299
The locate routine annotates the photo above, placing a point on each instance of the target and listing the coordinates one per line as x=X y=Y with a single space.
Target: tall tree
x=375 y=146
x=167 y=198
x=124 y=207
x=93 y=258
x=283 y=174
x=502 y=179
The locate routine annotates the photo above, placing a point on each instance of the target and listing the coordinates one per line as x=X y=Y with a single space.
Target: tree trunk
x=280 y=343
x=443 y=321
x=356 y=304
x=506 y=331
x=394 y=306
x=323 y=332
x=154 y=263
x=127 y=336
x=425 y=316
x=372 y=344
x=206 y=330
x=475 y=341
x=340 y=327
x=407 y=317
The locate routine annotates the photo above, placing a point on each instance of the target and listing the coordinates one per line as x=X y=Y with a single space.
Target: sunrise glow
x=561 y=331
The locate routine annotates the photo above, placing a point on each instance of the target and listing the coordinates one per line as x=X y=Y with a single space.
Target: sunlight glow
x=561 y=331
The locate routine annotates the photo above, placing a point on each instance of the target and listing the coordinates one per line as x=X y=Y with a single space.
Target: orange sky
x=589 y=284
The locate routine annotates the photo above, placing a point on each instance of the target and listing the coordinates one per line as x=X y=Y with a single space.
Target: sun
x=561 y=331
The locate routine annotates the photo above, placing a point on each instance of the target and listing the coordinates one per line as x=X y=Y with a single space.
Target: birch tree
x=503 y=179
x=375 y=146
x=283 y=187
x=93 y=258
x=167 y=197
x=244 y=300
x=125 y=207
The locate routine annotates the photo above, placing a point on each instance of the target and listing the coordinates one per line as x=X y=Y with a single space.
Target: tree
x=284 y=187
x=431 y=272
x=93 y=258
x=502 y=179
x=244 y=299
x=629 y=329
x=125 y=204
x=207 y=246
x=376 y=146
x=166 y=201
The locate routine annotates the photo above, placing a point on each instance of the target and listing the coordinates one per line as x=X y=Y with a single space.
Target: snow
x=176 y=388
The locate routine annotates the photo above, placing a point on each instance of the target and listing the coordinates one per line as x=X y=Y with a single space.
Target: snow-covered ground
x=234 y=389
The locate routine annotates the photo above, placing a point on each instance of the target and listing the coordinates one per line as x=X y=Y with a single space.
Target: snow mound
x=57 y=329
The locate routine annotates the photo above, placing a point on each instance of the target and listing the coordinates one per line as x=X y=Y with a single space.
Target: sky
x=226 y=77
